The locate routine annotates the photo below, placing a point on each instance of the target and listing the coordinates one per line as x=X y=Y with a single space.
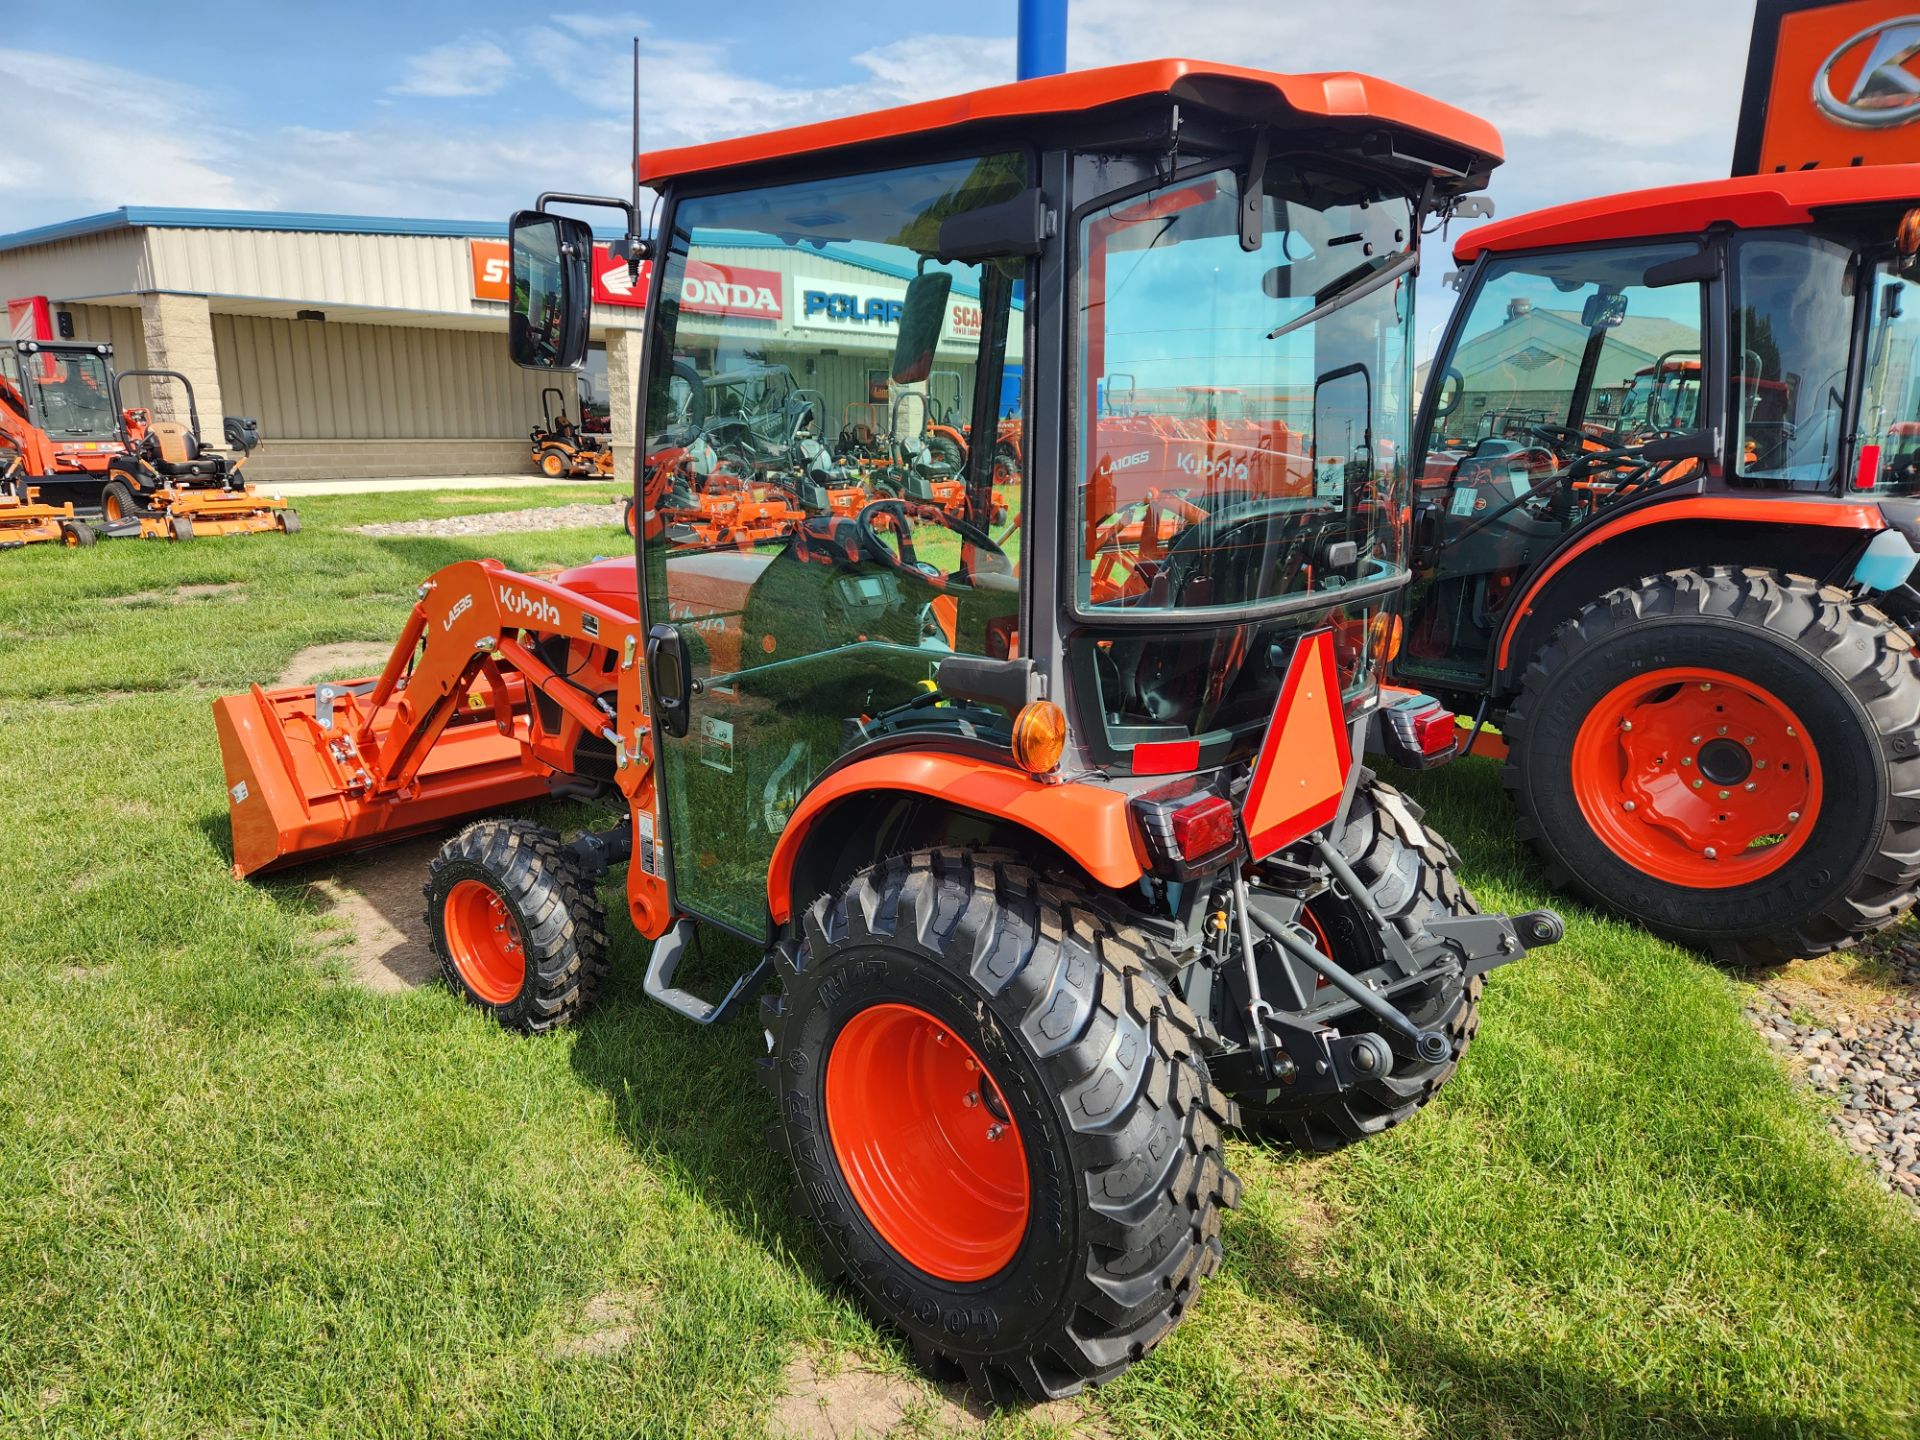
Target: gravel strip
x=1867 y=1062
x=584 y=516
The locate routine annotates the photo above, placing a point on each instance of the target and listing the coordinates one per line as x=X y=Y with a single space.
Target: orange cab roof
x=1751 y=202
x=1257 y=94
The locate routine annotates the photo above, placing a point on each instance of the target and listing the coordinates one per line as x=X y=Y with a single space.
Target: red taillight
x=1202 y=827
x=1434 y=731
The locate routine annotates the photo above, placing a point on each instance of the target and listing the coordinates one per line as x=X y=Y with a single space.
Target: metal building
x=369 y=347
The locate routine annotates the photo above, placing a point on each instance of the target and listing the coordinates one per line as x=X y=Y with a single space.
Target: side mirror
x=923 y=315
x=1451 y=386
x=550 y=291
x=1604 y=310
x=243 y=432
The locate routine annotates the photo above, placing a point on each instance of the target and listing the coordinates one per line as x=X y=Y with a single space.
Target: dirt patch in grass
x=616 y=1317
x=182 y=595
x=321 y=662
x=1881 y=974
x=824 y=1400
x=376 y=899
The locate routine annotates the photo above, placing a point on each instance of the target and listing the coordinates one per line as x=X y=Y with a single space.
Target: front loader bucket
x=298 y=765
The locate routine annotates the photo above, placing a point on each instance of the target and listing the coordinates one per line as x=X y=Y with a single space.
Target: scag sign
x=708 y=289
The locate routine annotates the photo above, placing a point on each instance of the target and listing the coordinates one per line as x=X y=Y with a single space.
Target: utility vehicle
x=1055 y=857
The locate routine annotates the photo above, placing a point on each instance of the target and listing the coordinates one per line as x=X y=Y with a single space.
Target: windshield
x=70 y=393
x=1235 y=447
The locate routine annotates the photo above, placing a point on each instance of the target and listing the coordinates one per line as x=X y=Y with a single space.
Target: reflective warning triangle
x=1303 y=764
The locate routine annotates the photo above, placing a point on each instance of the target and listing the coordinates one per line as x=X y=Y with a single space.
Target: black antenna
x=636 y=246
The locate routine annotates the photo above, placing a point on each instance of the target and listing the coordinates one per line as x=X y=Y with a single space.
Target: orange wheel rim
x=552 y=464
x=1697 y=777
x=484 y=941
x=111 y=507
x=926 y=1144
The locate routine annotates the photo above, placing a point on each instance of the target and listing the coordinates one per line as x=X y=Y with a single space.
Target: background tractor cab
x=59 y=421
x=1051 y=839
x=1678 y=391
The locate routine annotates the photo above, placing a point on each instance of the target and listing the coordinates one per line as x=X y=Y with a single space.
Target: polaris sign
x=842 y=305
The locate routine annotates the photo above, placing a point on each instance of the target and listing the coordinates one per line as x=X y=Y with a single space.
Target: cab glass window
x=1792 y=332
x=1888 y=457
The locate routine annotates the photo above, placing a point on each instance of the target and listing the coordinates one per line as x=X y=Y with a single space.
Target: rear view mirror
x=923 y=316
x=1604 y=311
x=550 y=294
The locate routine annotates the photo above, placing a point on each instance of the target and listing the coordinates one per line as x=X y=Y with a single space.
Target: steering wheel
x=1560 y=437
x=905 y=559
x=1191 y=546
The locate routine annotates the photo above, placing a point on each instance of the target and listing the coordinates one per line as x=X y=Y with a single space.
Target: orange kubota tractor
x=59 y=426
x=1673 y=563
x=1055 y=878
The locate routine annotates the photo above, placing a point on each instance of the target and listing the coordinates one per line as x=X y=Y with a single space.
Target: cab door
x=1536 y=384
x=798 y=610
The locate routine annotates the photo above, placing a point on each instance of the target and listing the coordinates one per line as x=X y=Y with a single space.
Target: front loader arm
x=448 y=729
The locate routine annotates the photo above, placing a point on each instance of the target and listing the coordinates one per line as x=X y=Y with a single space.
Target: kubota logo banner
x=1831 y=85
x=708 y=289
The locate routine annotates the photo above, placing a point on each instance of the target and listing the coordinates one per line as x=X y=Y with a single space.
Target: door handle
x=668 y=678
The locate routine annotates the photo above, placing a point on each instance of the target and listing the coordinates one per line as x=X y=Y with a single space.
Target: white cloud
x=471 y=66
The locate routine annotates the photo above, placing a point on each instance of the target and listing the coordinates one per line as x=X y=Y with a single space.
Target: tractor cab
x=59 y=423
x=1752 y=339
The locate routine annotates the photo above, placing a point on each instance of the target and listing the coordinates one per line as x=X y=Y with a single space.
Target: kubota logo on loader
x=529 y=607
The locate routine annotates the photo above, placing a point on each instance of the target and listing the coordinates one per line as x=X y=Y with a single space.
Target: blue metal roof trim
x=130 y=217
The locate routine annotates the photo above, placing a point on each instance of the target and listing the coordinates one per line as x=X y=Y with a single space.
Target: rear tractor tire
x=1000 y=1118
x=553 y=464
x=1728 y=757
x=1409 y=872
x=518 y=931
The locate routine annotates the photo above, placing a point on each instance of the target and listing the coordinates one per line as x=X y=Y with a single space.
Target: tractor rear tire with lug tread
x=561 y=925
x=1097 y=1066
x=1820 y=654
x=1409 y=871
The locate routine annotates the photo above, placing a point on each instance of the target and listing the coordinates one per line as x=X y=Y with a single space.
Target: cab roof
x=1259 y=96
x=1750 y=202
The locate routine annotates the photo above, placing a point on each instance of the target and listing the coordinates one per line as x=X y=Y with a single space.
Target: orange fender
x=1090 y=823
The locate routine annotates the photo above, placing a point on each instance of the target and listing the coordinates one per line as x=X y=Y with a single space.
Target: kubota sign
x=1831 y=82
x=707 y=289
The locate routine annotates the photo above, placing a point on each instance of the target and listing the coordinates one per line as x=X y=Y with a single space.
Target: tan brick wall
x=623 y=389
x=178 y=330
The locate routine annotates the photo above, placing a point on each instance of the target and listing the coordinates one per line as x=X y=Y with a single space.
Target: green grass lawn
x=239 y=1196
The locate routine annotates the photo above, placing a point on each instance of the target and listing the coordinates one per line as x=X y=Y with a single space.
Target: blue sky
x=468 y=110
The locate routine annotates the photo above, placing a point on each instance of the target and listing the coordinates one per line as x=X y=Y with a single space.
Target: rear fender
x=1805 y=536
x=1087 y=824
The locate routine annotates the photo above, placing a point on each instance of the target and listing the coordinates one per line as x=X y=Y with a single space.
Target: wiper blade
x=1340 y=298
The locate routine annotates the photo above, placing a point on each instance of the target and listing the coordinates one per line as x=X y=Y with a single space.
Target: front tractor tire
x=1728 y=757
x=1000 y=1119
x=1409 y=872
x=517 y=929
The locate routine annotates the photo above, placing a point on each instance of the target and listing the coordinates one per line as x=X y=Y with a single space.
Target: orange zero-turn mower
x=1674 y=578
x=167 y=485
x=560 y=448
x=1048 y=887
x=24 y=520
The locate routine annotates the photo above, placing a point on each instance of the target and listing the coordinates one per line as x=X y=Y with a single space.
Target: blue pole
x=1043 y=38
